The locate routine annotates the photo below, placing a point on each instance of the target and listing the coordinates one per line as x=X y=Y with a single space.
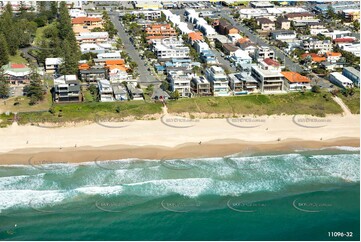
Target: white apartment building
x=264 y=52
x=219 y=80
x=268 y=74
x=105 y=91
x=340 y=80
x=200 y=46
x=354 y=48
x=181 y=82
x=170 y=48
x=312 y=44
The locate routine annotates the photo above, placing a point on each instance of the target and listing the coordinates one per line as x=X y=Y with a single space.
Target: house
x=248 y=46
x=352 y=74
x=268 y=75
x=315 y=58
x=340 y=80
x=266 y=24
x=224 y=27
x=264 y=52
x=333 y=56
x=229 y=49
x=67 y=89
x=344 y=40
x=195 y=36
x=299 y=16
x=242 y=83
x=93 y=74
x=241 y=58
x=180 y=81
x=120 y=92
x=201 y=86
x=208 y=57
x=354 y=48
x=159 y=94
x=234 y=38
x=105 y=91
x=52 y=65
x=218 y=79
x=95 y=48
x=76 y=13
x=135 y=93
x=86 y=24
x=159 y=31
x=111 y=55
x=92 y=37
x=338 y=34
x=283 y=23
x=330 y=66
x=284 y=35
x=18 y=73
x=295 y=81
x=200 y=46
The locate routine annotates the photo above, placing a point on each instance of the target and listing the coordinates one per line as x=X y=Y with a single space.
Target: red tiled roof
x=18 y=66
x=81 y=20
x=344 y=40
x=271 y=62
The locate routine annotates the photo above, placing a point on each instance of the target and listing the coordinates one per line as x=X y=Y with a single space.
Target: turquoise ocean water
x=302 y=195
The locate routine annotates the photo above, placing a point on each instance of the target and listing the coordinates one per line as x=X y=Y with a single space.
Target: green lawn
x=76 y=112
x=17 y=59
x=353 y=102
x=291 y=103
x=21 y=104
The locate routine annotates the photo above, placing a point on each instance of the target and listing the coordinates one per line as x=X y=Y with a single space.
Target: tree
x=4 y=53
x=164 y=86
x=35 y=89
x=356 y=26
x=4 y=86
x=316 y=89
x=175 y=95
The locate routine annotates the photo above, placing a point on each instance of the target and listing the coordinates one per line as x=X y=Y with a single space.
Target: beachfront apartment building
x=180 y=81
x=295 y=81
x=170 y=48
x=67 y=89
x=201 y=86
x=218 y=79
x=92 y=37
x=105 y=91
x=120 y=92
x=268 y=75
x=93 y=74
x=312 y=44
x=352 y=74
x=242 y=83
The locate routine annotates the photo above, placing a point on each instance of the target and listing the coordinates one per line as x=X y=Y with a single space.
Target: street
x=145 y=76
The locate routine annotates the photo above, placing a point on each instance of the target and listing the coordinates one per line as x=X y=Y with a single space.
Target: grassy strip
x=353 y=102
x=317 y=104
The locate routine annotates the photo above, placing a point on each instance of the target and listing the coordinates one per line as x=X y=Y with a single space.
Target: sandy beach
x=175 y=137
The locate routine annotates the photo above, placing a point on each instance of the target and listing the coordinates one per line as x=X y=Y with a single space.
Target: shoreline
x=219 y=148
x=176 y=137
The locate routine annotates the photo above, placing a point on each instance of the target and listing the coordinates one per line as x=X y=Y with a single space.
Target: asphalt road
x=145 y=76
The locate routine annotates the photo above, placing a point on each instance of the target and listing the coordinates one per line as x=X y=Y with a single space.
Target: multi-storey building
x=219 y=80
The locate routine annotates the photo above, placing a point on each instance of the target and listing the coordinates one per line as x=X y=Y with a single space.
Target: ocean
x=299 y=195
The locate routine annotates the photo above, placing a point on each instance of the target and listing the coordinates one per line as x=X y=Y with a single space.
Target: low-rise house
x=266 y=24
x=229 y=49
x=208 y=57
x=92 y=14
x=242 y=83
x=195 y=36
x=234 y=38
x=295 y=81
x=331 y=66
x=67 y=89
x=315 y=58
x=120 y=92
x=268 y=75
x=159 y=94
x=333 y=56
x=92 y=37
x=200 y=45
x=284 y=35
x=135 y=93
x=340 y=80
x=181 y=82
x=264 y=52
x=201 y=86
x=111 y=55
x=241 y=58
x=105 y=91
x=95 y=48
x=354 y=48
x=248 y=46
x=52 y=65
x=93 y=74
x=352 y=74
x=283 y=23
x=218 y=79
x=299 y=16
x=338 y=34
x=224 y=27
